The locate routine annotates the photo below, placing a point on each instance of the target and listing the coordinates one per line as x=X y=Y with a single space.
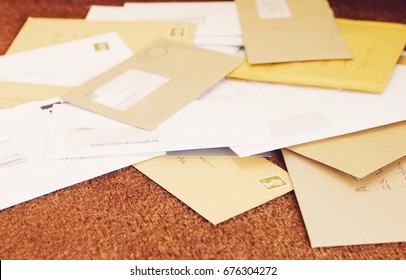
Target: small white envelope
x=68 y=64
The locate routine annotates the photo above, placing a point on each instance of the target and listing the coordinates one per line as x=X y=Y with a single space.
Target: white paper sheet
x=67 y=64
x=26 y=174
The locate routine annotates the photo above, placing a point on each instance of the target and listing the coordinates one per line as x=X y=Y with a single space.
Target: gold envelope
x=360 y=153
x=218 y=188
x=42 y=32
x=340 y=210
x=290 y=30
x=375 y=47
x=154 y=84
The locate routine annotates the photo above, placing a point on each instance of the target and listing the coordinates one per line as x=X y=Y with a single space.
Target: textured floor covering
x=123 y=215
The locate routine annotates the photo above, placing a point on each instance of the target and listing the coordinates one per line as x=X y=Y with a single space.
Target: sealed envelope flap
x=360 y=153
x=154 y=84
x=290 y=30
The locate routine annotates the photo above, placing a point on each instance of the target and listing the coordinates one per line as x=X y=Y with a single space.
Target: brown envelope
x=340 y=210
x=290 y=30
x=154 y=84
x=360 y=153
x=218 y=187
x=43 y=32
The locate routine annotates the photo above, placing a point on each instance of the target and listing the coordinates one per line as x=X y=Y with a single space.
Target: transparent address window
x=127 y=89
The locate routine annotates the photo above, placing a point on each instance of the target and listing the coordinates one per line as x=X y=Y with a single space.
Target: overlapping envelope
x=42 y=32
x=290 y=30
x=218 y=188
x=25 y=173
x=358 y=154
x=304 y=114
x=375 y=47
x=339 y=209
x=154 y=84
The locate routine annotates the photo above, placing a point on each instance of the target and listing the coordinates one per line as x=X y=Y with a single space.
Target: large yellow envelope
x=218 y=188
x=154 y=84
x=290 y=30
x=375 y=47
x=360 y=153
x=341 y=210
x=42 y=32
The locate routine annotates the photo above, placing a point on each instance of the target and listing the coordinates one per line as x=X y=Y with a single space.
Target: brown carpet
x=123 y=215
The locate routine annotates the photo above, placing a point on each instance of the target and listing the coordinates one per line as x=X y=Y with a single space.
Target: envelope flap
x=360 y=153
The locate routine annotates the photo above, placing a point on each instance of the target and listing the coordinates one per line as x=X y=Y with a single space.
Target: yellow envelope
x=375 y=47
x=360 y=153
x=290 y=30
x=42 y=32
x=218 y=188
x=154 y=84
x=340 y=210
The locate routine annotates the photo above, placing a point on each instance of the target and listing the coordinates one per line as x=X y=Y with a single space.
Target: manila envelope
x=154 y=84
x=360 y=153
x=339 y=209
x=43 y=32
x=218 y=187
x=375 y=47
x=290 y=30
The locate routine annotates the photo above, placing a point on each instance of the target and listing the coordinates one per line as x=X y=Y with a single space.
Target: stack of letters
x=195 y=95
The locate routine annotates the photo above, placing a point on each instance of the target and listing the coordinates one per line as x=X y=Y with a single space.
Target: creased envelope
x=218 y=188
x=341 y=210
x=360 y=153
x=154 y=84
x=290 y=30
x=44 y=32
x=375 y=47
x=25 y=173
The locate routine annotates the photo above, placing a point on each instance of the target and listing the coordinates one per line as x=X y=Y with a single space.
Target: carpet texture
x=124 y=215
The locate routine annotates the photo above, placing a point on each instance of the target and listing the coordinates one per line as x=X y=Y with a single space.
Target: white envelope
x=218 y=22
x=105 y=13
x=75 y=132
x=303 y=114
x=25 y=173
x=67 y=64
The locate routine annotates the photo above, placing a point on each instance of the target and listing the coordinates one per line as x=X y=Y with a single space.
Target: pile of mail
x=196 y=94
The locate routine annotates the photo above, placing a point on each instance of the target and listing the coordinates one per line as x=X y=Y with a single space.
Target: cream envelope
x=375 y=47
x=75 y=132
x=290 y=30
x=43 y=32
x=154 y=84
x=218 y=188
x=217 y=21
x=372 y=149
x=340 y=210
x=303 y=115
x=25 y=173
x=68 y=64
